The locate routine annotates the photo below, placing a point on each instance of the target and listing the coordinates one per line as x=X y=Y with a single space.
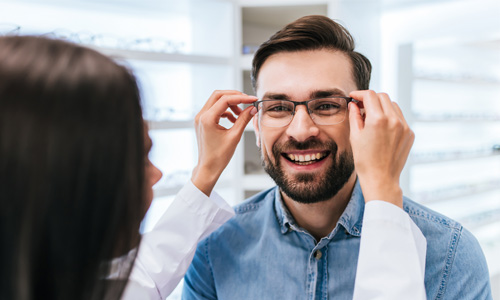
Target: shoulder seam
x=417 y=213
x=450 y=257
x=247 y=208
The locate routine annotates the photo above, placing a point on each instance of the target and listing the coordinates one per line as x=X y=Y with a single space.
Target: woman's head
x=72 y=167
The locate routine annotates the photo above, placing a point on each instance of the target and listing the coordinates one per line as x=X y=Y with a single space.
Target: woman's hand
x=381 y=141
x=216 y=144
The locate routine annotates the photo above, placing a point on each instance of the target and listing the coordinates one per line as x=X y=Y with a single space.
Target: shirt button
x=318 y=254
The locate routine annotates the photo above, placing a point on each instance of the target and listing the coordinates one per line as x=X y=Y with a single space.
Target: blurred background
x=439 y=59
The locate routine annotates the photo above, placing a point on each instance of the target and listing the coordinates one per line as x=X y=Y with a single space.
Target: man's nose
x=302 y=127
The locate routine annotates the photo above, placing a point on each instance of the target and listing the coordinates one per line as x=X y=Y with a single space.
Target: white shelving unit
x=454 y=167
x=178 y=53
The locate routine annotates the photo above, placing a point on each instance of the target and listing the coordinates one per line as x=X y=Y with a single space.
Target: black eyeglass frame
x=305 y=103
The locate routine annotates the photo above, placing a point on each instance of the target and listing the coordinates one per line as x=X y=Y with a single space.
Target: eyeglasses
x=323 y=111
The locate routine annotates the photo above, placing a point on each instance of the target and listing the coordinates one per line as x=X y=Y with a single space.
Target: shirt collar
x=351 y=219
x=284 y=216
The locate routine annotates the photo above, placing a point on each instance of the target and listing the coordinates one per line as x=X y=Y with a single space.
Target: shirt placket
x=317 y=274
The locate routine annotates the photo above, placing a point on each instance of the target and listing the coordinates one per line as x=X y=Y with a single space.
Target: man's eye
x=278 y=108
x=327 y=106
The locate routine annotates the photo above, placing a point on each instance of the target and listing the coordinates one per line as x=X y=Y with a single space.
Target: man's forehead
x=306 y=73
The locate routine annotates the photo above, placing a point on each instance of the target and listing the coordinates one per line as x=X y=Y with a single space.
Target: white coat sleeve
x=391 y=263
x=167 y=250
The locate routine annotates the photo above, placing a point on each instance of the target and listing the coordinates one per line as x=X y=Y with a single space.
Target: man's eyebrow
x=313 y=95
x=327 y=93
x=275 y=96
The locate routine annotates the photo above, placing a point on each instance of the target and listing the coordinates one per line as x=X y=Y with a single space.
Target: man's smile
x=306 y=157
x=305 y=160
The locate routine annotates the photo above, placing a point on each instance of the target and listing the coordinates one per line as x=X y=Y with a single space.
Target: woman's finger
x=386 y=104
x=228 y=115
x=216 y=95
x=371 y=103
x=225 y=102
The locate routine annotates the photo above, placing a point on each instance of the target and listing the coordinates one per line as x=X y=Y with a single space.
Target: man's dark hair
x=314 y=33
x=72 y=162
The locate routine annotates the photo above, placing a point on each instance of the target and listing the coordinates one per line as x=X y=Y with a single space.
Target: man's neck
x=319 y=219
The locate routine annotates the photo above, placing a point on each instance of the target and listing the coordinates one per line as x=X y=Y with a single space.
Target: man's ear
x=256 y=130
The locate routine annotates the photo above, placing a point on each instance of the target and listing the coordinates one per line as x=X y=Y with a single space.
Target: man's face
x=327 y=157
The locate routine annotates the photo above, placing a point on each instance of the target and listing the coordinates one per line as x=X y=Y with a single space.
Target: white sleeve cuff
x=391 y=263
x=166 y=251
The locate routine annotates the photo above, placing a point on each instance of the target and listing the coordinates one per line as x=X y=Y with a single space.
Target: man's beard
x=306 y=187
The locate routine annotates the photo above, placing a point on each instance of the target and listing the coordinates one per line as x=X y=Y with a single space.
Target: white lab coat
x=391 y=258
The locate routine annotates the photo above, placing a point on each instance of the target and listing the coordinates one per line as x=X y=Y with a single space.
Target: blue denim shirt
x=261 y=253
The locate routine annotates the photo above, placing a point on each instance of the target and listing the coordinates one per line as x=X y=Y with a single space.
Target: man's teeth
x=306 y=158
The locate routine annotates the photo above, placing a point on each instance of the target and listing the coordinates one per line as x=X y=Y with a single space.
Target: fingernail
x=253 y=111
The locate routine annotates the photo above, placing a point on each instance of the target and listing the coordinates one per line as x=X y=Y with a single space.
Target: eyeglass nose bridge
x=305 y=103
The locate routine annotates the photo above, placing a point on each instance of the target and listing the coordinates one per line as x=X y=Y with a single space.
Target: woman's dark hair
x=314 y=33
x=72 y=162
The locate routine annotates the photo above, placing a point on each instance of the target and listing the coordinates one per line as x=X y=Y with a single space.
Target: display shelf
x=484 y=218
x=163 y=56
x=183 y=24
x=444 y=156
x=418 y=117
x=457 y=79
x=456 y=191
x=160 y=125
x=460 y=208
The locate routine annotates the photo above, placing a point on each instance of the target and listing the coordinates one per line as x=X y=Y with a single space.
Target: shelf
x=460 y=80
x=423 y=158
x=481 y=219
x=164 y=56
x=461 y=209
x=455 y=118
x=451 y=192
x=159 y=125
